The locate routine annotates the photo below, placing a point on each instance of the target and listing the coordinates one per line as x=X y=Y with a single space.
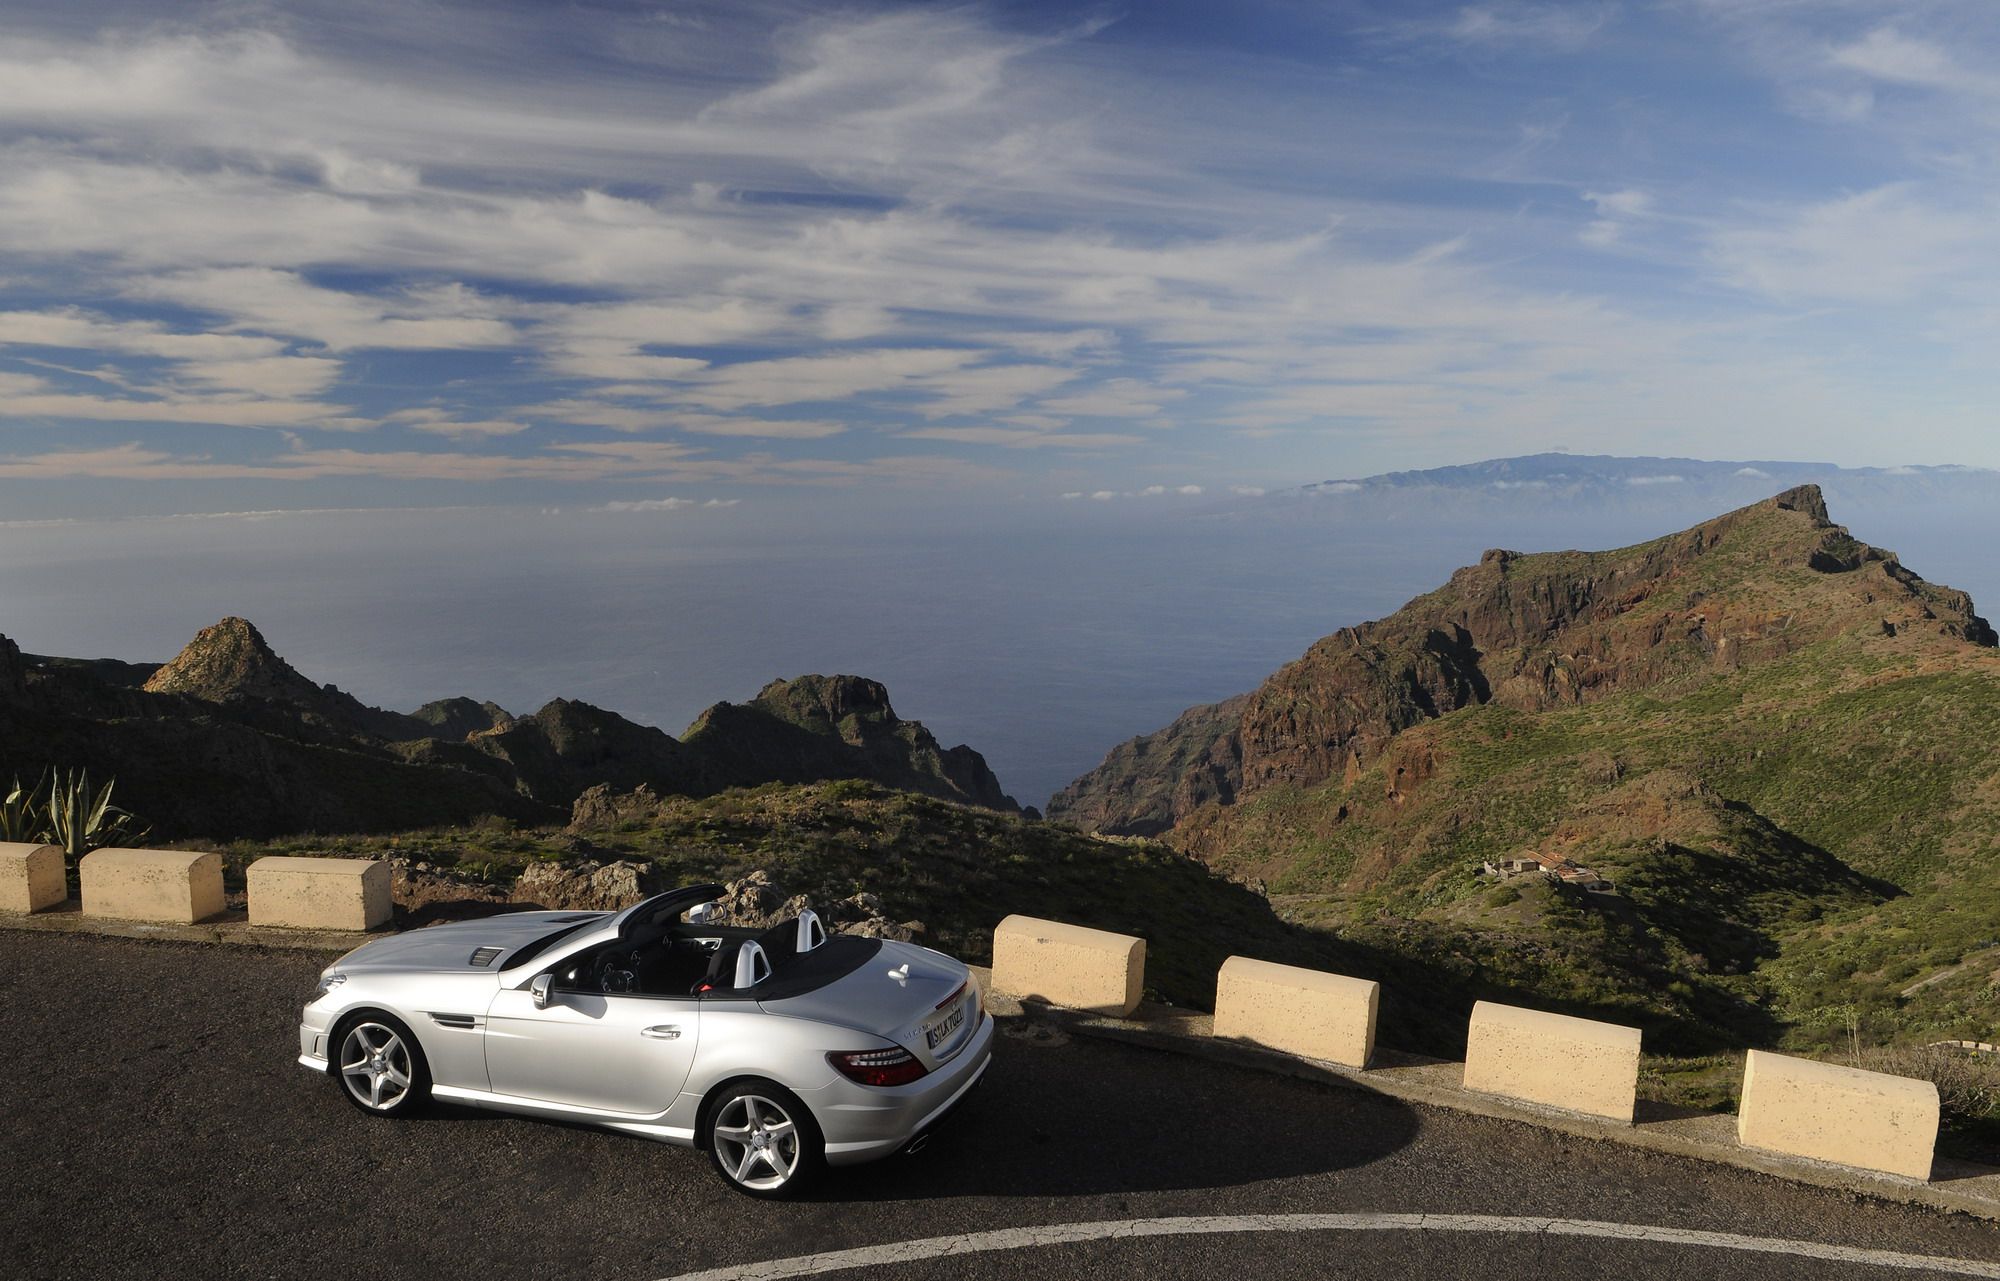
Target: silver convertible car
x=776 y=1050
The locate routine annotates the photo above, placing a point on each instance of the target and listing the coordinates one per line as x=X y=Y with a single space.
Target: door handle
x=663 y=1032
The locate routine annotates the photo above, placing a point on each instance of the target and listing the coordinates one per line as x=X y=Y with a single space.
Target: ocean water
x=1041 y=642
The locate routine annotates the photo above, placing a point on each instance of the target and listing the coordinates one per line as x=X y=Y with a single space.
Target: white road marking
x=807 y=1265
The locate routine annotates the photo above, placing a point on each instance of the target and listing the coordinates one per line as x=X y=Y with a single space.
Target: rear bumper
x=866 y=1123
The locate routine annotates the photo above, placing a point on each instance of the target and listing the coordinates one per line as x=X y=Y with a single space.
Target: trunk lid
x=922 y=1000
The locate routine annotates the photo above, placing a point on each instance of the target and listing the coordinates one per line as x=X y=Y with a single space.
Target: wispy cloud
x=923 y=246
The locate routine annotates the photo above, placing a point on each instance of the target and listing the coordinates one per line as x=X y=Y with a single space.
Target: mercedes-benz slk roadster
x=777 y=1050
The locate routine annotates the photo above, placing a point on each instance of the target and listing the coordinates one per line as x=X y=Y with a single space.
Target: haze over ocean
x=703 y=343
x=1040 y=643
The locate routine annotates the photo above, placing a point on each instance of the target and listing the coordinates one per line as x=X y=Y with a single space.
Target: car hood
x=451 y=947
x=884 y=999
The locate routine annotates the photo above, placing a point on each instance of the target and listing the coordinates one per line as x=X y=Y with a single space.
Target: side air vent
x=464 y=1022
x=485 y=955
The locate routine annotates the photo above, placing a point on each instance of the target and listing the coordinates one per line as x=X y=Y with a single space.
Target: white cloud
x=1247 y=491
x=1113 y=398
x=1890 y=244
x=477 y=429
x=1888 y=55
x=284 y=302
x=1565 y=27
x=1024 y=438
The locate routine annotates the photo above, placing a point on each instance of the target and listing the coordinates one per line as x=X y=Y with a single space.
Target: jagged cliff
x=826 y=727
x=1528 y=632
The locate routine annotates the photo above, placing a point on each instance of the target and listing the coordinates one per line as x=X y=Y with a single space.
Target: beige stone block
x=1841 y=1114
x=319 y=893
x=31 y=877
x=1579 y=1065
x=1306 y=1012
x=172 y=886
x=1069 y=965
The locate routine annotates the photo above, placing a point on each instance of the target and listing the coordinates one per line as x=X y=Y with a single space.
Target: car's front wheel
x=380 y=1066
x=763 y=1140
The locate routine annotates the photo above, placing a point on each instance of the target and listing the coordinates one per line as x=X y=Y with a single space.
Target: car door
x=602 y=1052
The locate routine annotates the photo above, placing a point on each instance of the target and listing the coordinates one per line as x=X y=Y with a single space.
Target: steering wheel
x=615 y=974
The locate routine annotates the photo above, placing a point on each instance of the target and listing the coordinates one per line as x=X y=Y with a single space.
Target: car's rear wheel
x=380 y=1066
x=762 y=1140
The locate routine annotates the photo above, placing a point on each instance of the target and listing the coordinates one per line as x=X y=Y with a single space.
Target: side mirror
x=540 y=989
x=700 y=913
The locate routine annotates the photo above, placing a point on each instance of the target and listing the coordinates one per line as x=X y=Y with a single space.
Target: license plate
x=945 y=1026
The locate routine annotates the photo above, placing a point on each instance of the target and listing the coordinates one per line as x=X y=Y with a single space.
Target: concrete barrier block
x=1841 y=1114
x=319 y=893
x=1306 y=1012
x=1579 y=1065
x=1069 y=965
x=31 y=877
x=176 y=887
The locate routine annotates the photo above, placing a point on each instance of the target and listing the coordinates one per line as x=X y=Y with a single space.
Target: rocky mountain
x=1528 y=632
x=230 y=740
x=1774 y=740
x=231 y=664
x=453 y=719
x=826 y=727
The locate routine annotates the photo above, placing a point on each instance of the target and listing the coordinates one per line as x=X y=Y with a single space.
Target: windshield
x=532 y=950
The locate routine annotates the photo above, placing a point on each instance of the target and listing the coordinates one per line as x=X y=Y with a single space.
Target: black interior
x=679 y=959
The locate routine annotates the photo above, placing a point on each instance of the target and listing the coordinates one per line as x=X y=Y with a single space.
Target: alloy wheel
x=375 y=1066
x=757 y=1142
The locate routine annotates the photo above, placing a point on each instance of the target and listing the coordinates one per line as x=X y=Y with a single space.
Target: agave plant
x=81 y=822
x=22 y=818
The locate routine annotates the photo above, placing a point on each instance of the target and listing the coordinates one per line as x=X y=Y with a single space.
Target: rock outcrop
x=553 y=756
x=754 y=902
x=587 y=886
x=231 y=664
x=827 y=727
x=457 y=719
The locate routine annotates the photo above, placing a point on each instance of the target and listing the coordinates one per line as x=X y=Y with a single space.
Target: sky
x=694 y=259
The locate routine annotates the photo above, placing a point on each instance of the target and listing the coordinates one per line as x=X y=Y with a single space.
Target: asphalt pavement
x=156 y=1124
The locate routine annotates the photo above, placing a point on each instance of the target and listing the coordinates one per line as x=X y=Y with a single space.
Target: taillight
x=878 y=1067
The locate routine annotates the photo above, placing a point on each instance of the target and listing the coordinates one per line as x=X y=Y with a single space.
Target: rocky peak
x=456 y=719
x=814 y=728
x=232 y=659
x=826 y=698
x=1807 y=499
x=231 y=664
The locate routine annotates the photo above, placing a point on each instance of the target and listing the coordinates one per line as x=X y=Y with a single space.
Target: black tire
x=367 y=1055
x=763 y=1140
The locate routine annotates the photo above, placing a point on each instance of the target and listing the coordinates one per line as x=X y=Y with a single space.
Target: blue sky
x=684 y=257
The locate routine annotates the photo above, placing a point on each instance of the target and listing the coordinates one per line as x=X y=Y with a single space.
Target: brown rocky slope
x=1528 y=632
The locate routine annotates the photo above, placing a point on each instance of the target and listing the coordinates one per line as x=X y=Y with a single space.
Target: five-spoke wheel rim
x=757 y=1142
x=375 y=1066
